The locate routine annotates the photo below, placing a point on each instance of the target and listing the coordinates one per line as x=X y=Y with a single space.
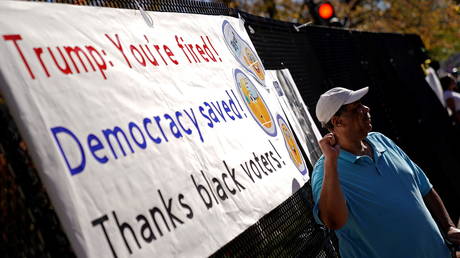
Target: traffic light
x=323 y=13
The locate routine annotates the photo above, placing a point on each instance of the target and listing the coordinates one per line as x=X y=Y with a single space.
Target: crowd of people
x=446 y=87
x=451 y=97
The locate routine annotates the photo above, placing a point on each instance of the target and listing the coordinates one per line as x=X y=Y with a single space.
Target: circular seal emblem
x=254 y=102
x=291 y=145
x=253 y=62
x=243 y=52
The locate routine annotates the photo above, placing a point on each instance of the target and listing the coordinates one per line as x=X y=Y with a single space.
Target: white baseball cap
x=331 y=101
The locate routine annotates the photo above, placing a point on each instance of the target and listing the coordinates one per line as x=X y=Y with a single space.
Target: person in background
x=378 y=201
x=435 y=65
x=451 y=97
x=431 y=77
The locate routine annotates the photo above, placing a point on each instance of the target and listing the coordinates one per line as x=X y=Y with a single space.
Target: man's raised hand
x=329 y=146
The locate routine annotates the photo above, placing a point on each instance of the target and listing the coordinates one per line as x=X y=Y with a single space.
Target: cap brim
x=357 y=95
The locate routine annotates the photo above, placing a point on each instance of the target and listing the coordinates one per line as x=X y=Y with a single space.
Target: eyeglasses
x=352 y=108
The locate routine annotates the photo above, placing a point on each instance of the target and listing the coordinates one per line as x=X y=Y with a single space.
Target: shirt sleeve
x=316 y=186
x=422 y=181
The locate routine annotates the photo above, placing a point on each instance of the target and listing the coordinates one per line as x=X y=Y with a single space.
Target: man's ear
x=336 y=121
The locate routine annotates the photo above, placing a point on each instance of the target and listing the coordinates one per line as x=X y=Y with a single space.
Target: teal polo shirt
x=386 y=213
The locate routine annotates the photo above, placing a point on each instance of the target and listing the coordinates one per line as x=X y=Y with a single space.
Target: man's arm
x=333 y=210
x=436 y=207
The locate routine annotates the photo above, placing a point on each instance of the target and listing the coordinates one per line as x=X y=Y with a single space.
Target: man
x=377 y=200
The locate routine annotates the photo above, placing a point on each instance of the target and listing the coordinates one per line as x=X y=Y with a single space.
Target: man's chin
x=368 y=125
x=369 y=129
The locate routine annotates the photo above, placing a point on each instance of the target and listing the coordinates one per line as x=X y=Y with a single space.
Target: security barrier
x=402 y=105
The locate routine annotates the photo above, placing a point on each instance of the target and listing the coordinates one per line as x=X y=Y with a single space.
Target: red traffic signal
x=323 y=13
x=325 y=10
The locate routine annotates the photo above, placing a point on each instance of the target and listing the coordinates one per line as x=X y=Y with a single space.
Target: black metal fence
x=287 y=231
x=29 y=226
x=402 y=105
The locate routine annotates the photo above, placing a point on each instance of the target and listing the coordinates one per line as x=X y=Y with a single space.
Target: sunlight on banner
x=151 y=140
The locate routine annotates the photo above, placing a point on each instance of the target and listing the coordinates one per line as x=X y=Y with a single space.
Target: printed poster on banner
x=153 y=132
x=297 y=113
x=243 y=53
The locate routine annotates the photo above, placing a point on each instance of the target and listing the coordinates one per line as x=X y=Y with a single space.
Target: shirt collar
x=378 y=150
x=348 y=156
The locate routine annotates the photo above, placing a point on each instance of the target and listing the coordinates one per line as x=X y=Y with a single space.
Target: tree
x=285 y=10
x=436 y=21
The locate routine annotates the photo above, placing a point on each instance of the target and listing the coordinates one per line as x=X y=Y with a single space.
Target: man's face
x=355 y=120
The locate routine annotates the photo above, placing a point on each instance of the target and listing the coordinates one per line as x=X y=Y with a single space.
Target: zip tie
x=145 y=15
x=297 y=28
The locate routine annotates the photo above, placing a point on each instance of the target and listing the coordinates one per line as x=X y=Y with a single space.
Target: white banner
x=154 y=133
